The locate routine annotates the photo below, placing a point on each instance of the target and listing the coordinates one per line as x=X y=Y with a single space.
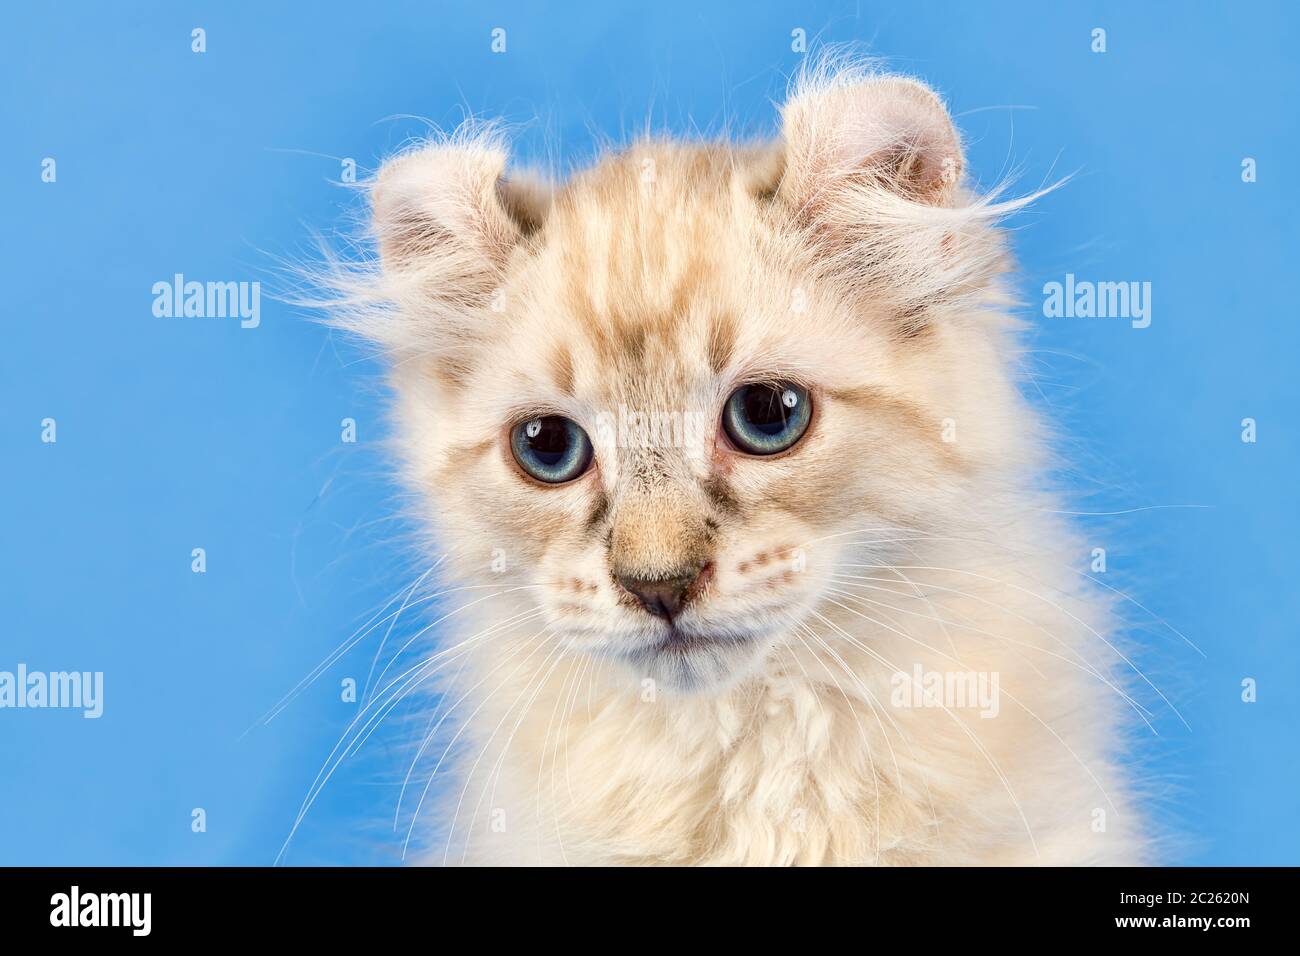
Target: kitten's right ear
x=447 y=219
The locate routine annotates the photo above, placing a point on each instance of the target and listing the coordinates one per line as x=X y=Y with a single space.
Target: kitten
x=743 y=512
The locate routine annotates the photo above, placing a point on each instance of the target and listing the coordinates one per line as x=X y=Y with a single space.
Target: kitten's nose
x=665 y=597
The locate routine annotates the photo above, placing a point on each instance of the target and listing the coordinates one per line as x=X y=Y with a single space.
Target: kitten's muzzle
x=666 y=597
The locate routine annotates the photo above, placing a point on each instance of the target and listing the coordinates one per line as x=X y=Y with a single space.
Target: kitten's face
x=670 y=418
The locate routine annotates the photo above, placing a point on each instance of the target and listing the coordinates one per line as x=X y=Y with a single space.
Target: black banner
x=341 y=905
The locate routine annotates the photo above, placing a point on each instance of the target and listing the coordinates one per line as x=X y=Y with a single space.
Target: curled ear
x=888 y=132
x=447 y=218
x=871 y=180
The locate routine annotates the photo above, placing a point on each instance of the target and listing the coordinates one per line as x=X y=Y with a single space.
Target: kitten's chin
x=697 y=663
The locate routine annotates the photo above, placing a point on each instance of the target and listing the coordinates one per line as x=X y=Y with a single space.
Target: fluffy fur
x=910 y=526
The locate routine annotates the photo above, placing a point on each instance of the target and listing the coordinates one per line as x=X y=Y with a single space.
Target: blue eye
x=551 y=449
x=766 y=419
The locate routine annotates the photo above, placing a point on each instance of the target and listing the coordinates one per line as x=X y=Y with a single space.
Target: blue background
x=175 y=434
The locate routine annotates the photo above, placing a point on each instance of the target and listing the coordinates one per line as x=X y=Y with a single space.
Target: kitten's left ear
x=886 y=132
x=869 y=176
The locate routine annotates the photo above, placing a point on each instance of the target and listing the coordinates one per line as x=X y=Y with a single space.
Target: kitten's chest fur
x=811 y=762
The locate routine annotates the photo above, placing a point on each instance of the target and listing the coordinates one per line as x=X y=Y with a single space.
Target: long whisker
x=1093 y=631
x=494 y=776
x=974 y=738
x=871 y=763
x=421 y=676
x=916 y=534
x=431 y=625
x=345 y=744
x=442 y=713
x=392 y=624
x=538 y=678
x=568 y=692
x=1048 y=728
x=1084 y=666
x=535 y=645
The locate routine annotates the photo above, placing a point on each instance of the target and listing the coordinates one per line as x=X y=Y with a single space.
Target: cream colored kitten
x=747 y=543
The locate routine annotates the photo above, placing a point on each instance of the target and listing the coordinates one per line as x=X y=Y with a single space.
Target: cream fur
x=912 y=525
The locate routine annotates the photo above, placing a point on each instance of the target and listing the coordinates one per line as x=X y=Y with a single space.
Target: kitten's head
x=675 y=394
